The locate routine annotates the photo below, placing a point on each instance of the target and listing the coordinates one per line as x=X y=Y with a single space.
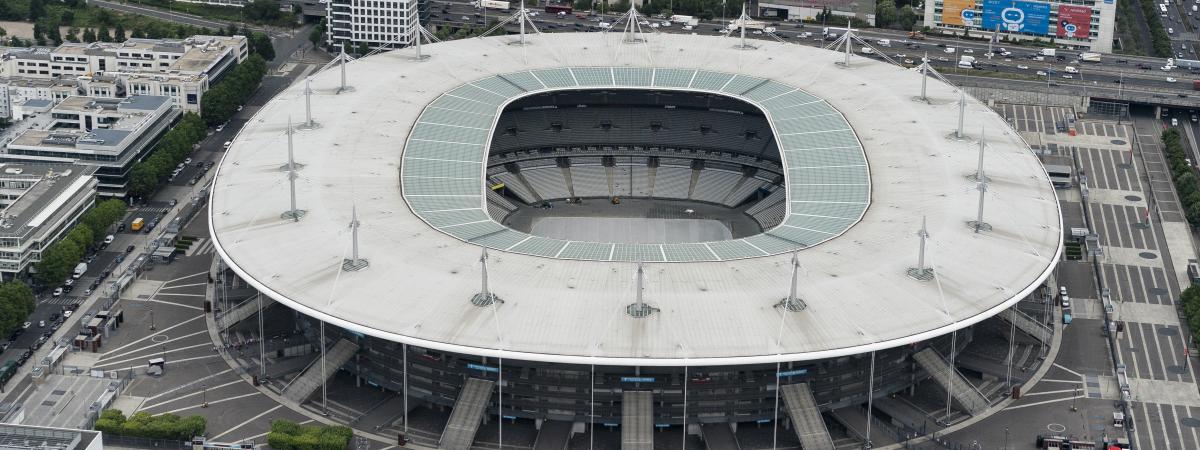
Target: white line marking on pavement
x=185 y=277
x=185 y=285
x=173 y=361
x=112 y=354
x=1064 y=391
x=197 y=308
x=230 y=399
x=181 y=397
x=1039 y=403
x=160 y=294
x=164 y=330
x=180 y=349
x=247 y=421
x=1072 y=372
x=168 y=392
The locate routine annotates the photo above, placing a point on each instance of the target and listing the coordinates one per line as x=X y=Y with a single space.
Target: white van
x=885 y=42
x=109 y=239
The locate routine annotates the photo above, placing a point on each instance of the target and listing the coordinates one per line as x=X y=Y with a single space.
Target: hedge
x=142 y=424
x=286 y=435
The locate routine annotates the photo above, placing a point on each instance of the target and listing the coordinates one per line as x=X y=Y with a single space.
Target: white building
x=374 y=22
x=179 y=69
x=110 y=134
x=1084 y=24
x=39 y=203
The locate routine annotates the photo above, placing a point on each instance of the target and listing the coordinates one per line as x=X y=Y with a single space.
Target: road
x=176 y=17
x=1131 y=71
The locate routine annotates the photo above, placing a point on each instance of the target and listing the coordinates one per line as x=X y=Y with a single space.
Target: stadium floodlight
x=293 y=213
x=921 y=273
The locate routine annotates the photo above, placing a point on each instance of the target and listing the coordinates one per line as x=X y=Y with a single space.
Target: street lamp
x=1074 y=398
x=152 y=317
x=1005 y=438
x=204 y=399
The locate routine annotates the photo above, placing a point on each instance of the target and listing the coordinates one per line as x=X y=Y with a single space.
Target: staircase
x=242 y=311
x=468 y=411
x=637 y=420
x=310 y=379
x=963 y=391
x=719 y=436
x=1027 y=325
x=806 y=417
x=554 y=435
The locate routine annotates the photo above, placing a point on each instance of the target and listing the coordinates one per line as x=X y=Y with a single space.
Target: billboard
x=960 y=12
x=1017 y=16
x=1074 y=21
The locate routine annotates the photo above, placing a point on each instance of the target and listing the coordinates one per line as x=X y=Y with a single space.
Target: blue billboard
x=1016 y=16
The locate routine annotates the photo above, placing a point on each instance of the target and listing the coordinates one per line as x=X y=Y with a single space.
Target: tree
x=103 y=34
x=261 y=43
x=262 y=11
x=318 y=34
x=67 y=18
x=582 y=5
x=89 y=35
x=73 y=35
x=907 y=17
x=119 y=33
x=37 y=9
x=885 y=13
x=54 y=34
x=363 y=48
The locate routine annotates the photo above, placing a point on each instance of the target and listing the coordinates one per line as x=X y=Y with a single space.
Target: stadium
x=603 y=234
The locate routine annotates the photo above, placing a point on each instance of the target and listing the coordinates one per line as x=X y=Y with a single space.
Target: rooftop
x=26 y=437
x=54 y=184
x=715 y=306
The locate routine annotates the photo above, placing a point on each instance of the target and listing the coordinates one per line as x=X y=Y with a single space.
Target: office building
x=372 y=22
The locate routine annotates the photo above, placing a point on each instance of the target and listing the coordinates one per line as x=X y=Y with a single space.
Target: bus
x=559 y=9
x=137 y=224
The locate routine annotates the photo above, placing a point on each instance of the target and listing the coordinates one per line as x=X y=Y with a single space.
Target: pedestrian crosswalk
x=62 y=300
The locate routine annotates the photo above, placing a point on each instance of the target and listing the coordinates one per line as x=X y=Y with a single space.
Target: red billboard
x=1074 y=21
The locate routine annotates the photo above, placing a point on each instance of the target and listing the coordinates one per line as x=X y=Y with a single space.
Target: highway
x=1181 y=23
x=1114 y=72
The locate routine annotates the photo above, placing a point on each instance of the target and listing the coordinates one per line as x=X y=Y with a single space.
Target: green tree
x=363 y=48
x=37 y=10
x=103 y=34
x=73 y=35
x=907 y=17
x=261 y=43
x=885 y=13
x=317 y=35
x=119 y=33
x=67 y=18
x=54 y=34
x=262 y=11
x=89 y=35
x=138 y=33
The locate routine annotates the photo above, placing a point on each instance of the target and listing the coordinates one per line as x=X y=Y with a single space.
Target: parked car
x=129 y=249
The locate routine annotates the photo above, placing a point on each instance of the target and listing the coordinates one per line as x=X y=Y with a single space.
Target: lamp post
x=204 y=397
x=1005 y=438
x=1074 y=398
x=152 y=328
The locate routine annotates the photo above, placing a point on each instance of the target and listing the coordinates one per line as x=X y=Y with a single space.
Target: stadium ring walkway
x=827 y=176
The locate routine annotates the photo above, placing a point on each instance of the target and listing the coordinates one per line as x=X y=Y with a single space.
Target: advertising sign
x=960 y=12
x=1016 y=16
x=1074 y=21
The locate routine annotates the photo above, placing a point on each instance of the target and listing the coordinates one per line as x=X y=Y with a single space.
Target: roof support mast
x=924 y=76
x=485 y=297
x=639 y=308
x=293 y=213
x=962 y=112
x=354 y=263
x=849 y=42
x=793 y=302
x=921 y=273
x=981 y=185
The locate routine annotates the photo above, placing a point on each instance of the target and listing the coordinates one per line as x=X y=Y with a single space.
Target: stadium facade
x=847 y=199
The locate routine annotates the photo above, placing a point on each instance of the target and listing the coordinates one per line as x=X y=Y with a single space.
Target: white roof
x=420 y=280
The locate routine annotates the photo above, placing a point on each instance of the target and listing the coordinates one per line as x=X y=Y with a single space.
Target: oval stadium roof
x=405 y=149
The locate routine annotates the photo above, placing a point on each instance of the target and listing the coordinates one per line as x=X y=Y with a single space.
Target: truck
x=561 y=10
x=137 y=224
x=492 y=4
x=1091 y=57
x=750 y=24
x=966 y=62
x=1047 y=52
x=79 y=270
x=685 y=20
x=1187 y=63
x=916 y=35
x=1070 y=69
